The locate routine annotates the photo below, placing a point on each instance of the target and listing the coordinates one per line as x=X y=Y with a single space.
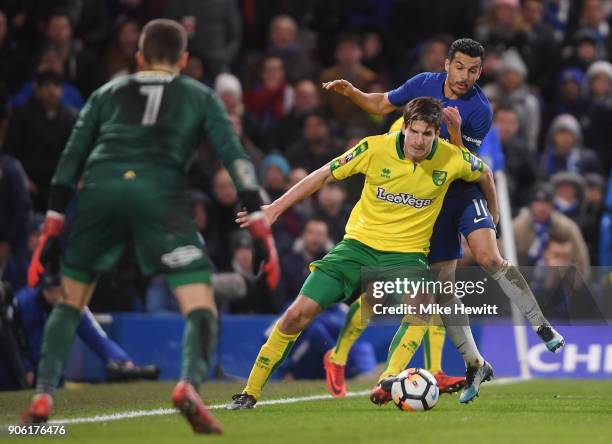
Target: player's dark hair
x=427 y=109
x=163 y=40
x=468 y=47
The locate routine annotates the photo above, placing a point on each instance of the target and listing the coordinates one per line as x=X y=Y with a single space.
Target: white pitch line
x=161 y=412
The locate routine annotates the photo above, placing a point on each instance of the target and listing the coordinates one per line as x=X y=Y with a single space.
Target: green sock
x=57 y=342
x=199 y=339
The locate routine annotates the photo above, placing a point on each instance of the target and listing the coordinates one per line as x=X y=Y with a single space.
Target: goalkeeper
x=132 y=144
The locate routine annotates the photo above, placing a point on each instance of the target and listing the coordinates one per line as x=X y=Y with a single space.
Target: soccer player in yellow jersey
x=467 y=119
x=407 y=174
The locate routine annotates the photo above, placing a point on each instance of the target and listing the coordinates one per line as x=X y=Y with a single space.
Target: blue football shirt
x=474 y=107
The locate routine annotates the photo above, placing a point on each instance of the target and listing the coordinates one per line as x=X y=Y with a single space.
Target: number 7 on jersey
x=154 y=96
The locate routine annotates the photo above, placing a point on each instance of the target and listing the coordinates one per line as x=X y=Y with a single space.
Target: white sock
x=515 y=287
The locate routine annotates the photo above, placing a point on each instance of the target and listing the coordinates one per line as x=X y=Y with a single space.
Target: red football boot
x=334 y=377
x=381 y=393
x=449 y=384
x=39 y=410
x=187 y=400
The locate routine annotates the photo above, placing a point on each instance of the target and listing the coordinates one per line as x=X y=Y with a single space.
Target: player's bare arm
x=374 y=103
x=304 y=188
x=487 y=184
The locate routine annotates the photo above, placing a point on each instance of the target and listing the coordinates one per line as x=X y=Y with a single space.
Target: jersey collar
x=399 y=142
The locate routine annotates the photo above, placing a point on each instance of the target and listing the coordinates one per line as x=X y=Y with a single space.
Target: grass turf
x=540 y=411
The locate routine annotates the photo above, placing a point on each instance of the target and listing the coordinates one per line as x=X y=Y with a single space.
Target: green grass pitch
x=538 y=411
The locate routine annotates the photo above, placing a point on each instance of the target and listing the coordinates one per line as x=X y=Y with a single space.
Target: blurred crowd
x=546 y=72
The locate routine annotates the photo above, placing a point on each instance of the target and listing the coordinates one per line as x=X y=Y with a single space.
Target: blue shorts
x=463 y=211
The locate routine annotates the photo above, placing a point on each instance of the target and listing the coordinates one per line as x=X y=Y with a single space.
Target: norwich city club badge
x=438 y=177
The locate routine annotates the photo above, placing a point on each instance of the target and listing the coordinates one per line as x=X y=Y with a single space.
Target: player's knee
x=489 y=260
x=294 y=320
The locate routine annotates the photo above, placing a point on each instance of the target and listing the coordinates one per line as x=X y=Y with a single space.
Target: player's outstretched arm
x=68 y=170
x=487 y=184
x=305 y=187
x=373 y=103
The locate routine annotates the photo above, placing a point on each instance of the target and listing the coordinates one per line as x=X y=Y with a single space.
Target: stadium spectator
x=120 y=56
x=272 y=97
x=594 y=209
x=223 y=213
x=541 y=51
x=502 y=25
x=283 y=43
x=560 y=290
x=491 y=65
x=511 y=87
x=520 y=162
x=432 y=56
x=249 y=146
x=306 y=208
x=258 y=295
x=313 y=243
x=80 y=65
x=140 y=10
x=37 y=133
x=230 y=91
x=15 y=207
x=349 y=67
x=593 y=18
x=333 y=209
x=49 y=61
x=89 y=18
x=195 y=67
x=570 y=192
x=582 y=50
x=561 y=15
x=375 y=56
x=569 y=98
x=15 y=64
x=597 y=128
x=316 y=146
x=599 y=81
x=289 y=129
x=534 y=226
x=216 y=36
x=273 y=174
x=564 y=150
x=33 y=306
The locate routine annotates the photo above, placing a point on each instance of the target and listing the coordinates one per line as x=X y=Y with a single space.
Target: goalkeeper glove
x=265 y=257
x=48 y=251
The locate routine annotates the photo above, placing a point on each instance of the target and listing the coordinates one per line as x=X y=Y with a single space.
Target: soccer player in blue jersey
x=467 y=119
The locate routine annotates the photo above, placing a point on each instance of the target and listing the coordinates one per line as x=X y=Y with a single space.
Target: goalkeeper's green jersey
x=146 y=123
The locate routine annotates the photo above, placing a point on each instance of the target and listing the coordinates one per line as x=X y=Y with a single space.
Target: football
x=415 y=390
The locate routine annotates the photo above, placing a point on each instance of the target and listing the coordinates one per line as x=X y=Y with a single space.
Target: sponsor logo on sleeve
x=344 y=159
x=475 y=163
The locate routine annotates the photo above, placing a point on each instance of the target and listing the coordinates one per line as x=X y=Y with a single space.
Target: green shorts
x=340 y=273
x=153 y=213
